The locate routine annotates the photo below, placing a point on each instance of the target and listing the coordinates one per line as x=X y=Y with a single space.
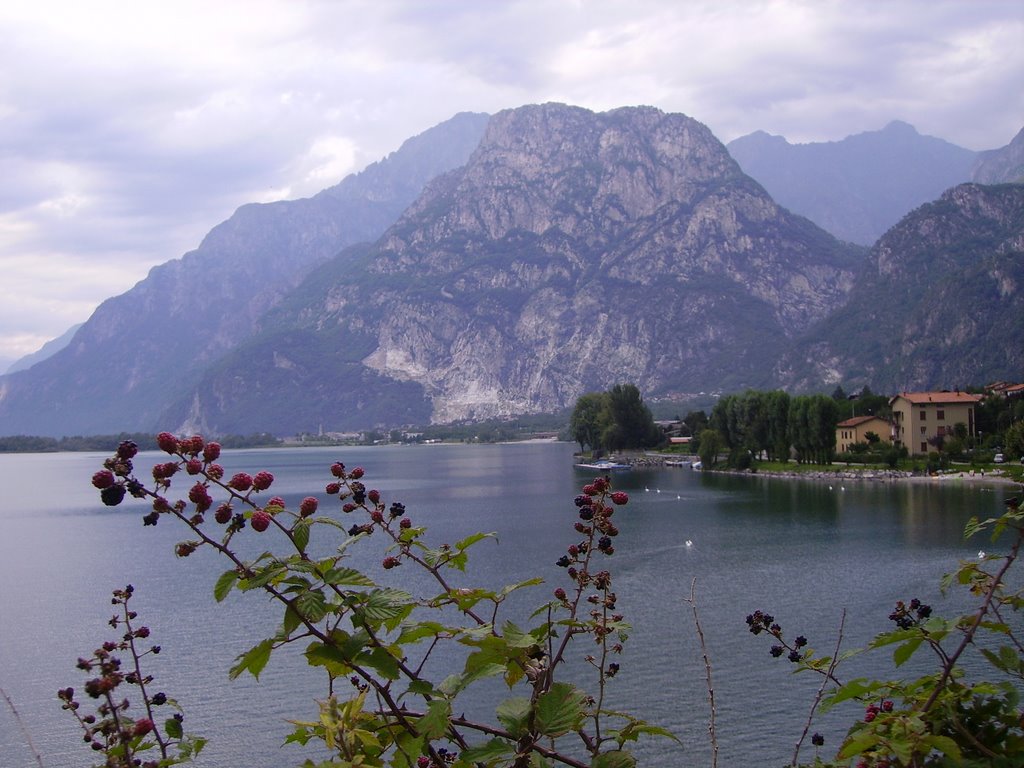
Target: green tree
x=589 y=420
x=711 y=444
x=1014 y=442
x=630 y=423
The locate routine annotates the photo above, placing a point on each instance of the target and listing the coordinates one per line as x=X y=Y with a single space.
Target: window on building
x=940 y=415
x=924 y=447
x=924 y=430
x=924 y=415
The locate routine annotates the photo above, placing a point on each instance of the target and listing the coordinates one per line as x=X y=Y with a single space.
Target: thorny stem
x=22 y=728
x=829 y=675
x=712 y=730
x=983 y=609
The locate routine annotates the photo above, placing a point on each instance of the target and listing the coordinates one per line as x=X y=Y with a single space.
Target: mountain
x=50 y=348
x=939 y=304
x=1001 y=166
x=861 y=186
x=573 y=250
x=141 y=348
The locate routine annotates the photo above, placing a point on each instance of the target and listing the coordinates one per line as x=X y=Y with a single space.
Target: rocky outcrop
x=940 y=303
x=575 y=250
x=1001 y=166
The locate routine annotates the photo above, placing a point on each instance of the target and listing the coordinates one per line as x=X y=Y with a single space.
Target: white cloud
x=128 y=130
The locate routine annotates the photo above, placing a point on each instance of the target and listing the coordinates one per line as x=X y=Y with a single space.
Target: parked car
x=999 y=458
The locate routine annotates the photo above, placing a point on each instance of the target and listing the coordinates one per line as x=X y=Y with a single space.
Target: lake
x=803 y=550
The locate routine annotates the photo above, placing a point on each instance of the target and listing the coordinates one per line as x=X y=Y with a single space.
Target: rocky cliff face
x=940 y=303
x=141 y=348
x=859 y=187
x=574 y=250
x=1001 y=166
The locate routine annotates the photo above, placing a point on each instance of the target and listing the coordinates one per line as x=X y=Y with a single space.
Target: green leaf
x=338 y=576
x=560 y=710
x=434 y=724
x=514 y=714
x=292 y=620
x=495 y=749
x=224 y=585
x=312 y=605
x=454 y=684
x=300 y=533
x=172 y=727
x=945 y=745
x=385 y=604
x=472 y=539
x=905 y=651
x=855 y=745
x=253 y=660
x=615 y=759
x=263 y=576
x=381 y=661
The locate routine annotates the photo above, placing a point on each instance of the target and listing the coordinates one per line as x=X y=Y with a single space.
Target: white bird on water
x=689 y=543
x=981 y=554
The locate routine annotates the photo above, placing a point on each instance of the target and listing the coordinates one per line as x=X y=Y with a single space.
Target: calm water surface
x=803 y=550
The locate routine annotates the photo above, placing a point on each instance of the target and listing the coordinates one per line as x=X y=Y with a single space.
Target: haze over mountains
x=500 y=266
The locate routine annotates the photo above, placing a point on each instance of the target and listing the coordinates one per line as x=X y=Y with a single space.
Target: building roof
x=856 y=421
x=923 y=398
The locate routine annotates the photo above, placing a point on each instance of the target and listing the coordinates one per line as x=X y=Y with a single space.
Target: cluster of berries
x=907 y=615
x=445 y=756
x=758 y=622
x=110 y=730
x=872 y=710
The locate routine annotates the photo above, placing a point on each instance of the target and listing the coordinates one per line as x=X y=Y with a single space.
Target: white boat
x=604 y=465
x=697 y=465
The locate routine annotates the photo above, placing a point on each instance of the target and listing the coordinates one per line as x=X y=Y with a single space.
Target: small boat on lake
x=604 y=465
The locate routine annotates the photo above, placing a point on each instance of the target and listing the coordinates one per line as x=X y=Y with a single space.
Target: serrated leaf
x=945 y=745
x=224 y=585
x=349 y=576
x=172 y=727
x=292 y=620
x=514 y=714
x=855 y=745
x=253 y=660
x=434 y=724
x=905 y=651
x=454 y=684
x=495 y=749
x=312 y=605
x=300 y=534
x=384 y=604
x=559 y=710
x=262 y=577
x=615 y=759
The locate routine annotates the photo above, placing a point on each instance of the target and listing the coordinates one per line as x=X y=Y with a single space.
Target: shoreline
x=880 y=475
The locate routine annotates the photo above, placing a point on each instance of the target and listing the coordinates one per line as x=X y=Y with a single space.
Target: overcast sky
x=129 y=129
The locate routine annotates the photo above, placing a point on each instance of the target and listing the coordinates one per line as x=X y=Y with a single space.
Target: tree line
x=614 y=420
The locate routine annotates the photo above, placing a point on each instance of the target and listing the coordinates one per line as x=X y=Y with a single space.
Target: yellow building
x=921 y=420
x=856 y=430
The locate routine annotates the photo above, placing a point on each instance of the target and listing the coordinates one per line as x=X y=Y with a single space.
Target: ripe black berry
x=112 y=495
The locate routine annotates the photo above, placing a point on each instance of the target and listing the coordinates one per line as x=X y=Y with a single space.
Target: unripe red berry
x=308 y=506
x=560 y=593
x=391 y=562
x=348 y=507
x=193 y=466
x=215 y=471
x=168 y=443
x=373 y=495
x=103 y=479
x=262 y=481
x=260 y=521
x=406 y=523
x=620 y=497
x=142 y=727
x=332 y=488
x=223 y=514
x=356 y=473
x=240 y=481
x=211 y=452
x=338 y=469
x=276 y=501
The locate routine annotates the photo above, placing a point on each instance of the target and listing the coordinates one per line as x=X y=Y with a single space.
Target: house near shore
x=921 y=421
x=857 y=429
